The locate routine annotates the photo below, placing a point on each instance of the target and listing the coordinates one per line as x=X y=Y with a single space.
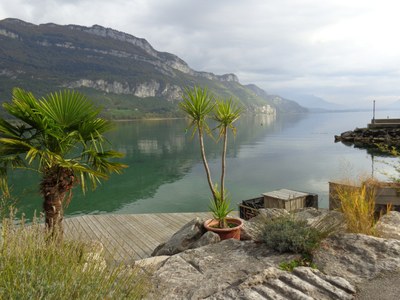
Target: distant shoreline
x=147 y=119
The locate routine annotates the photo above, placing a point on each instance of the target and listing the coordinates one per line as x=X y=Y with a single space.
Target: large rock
x=389 y=226
x=185 y=238
x=358 y=257
x=303 y=283
x=93 y=255
x=235 y=269
x=323 y=219
x=202 y=272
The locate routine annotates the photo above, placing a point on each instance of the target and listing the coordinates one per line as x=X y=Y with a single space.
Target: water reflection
x=157 y=152
x=165 y=172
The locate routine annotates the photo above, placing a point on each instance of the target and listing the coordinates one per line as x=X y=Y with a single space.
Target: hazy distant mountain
x=123 y=73
x=314 y=103
x=283 y=105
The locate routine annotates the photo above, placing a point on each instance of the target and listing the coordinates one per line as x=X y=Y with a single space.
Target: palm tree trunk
x=205 y=163
x=56 y=183
x=223 y=166
x=54 y=213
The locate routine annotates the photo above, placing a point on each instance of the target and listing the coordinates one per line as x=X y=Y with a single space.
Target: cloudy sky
x=344 y=51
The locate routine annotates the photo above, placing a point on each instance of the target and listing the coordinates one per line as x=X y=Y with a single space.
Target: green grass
x=34 y=267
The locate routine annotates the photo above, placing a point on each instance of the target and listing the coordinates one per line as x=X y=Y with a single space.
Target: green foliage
x=61 y=129
x=305 y=261
x=220 y=208
x=225 y=114
x=94 y=57
x=198 y=105
x=33 y=267
x=287 y=234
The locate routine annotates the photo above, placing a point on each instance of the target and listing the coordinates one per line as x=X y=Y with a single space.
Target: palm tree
x=198 y=104
x=226 y=113
x=60 y=136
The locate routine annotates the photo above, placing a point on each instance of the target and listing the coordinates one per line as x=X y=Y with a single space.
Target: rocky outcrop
x=303 y=283
x=358 y=257
x=9 y=34
x=389 y=226
x=202 y=272
x=192 y=235
x=363 y=137
x=235 y=269
x=150 y=88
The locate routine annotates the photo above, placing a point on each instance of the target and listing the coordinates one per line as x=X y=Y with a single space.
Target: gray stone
x=323 y=219
x=357 y=256
x=202 y=272
x=251 y=230
x=152 y=262
x=206 y=239
x=389 y=226
x=269 y=214
x=93 y=255
x=303 y=283
x=182 y=239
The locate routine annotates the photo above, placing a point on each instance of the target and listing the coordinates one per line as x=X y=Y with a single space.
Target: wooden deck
x=128 y=237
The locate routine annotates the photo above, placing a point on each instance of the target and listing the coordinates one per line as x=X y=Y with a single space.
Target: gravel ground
x=383 y=287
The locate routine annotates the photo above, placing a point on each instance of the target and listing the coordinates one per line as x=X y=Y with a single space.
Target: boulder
x=185 y=238
x=388 y=226
x=357 y=257
x=270 y=214
x=151 y=262
x=302 y=283
x=235 y=269
x=323 y=219
x=201 y=272
x=206 y=239
x=93 y=255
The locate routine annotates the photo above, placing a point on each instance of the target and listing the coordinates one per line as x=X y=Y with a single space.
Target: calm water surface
x=165 y=173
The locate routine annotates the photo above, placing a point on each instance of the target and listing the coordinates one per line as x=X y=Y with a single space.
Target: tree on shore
x=199 y=105
x=62 y=137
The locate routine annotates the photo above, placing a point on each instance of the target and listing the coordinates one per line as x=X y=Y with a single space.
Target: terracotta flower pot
x=225 y=233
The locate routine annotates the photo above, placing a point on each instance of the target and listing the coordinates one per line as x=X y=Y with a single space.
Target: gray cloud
x=339 y=50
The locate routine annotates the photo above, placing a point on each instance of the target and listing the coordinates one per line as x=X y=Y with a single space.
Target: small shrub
x=287 y=234
x=33 y=267
x=301 y=262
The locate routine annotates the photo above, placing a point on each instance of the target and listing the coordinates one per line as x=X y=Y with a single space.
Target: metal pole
x=373 y=116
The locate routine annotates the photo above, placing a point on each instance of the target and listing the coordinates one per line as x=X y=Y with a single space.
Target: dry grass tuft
x=357 y=203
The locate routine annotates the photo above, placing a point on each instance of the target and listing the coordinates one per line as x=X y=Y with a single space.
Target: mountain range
x=122 y=73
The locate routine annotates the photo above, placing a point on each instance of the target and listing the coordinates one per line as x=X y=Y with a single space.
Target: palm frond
x=226 y=113
x=197 y=104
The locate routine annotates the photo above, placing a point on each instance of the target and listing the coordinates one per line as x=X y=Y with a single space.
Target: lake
x=165 y=172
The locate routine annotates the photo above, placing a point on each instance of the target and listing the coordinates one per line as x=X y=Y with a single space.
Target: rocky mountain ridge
x=121 y=72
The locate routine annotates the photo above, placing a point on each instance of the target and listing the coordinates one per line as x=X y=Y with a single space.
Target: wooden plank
x=137 y=234
x=120 y=246
x=129 y=236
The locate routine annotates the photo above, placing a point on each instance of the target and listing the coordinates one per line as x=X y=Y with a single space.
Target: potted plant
x=198 y=104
